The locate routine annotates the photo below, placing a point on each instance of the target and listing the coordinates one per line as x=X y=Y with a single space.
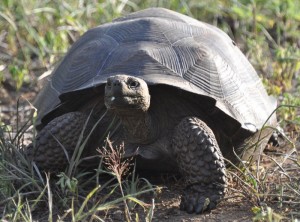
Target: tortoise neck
x=140 y=127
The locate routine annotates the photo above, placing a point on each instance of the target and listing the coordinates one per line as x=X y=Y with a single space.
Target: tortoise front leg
x=201 y=163
x=56 y=141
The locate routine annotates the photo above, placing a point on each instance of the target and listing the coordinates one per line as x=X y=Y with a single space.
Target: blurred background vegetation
x=35 y=34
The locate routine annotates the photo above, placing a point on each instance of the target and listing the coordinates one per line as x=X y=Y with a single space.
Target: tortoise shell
x=167 y=48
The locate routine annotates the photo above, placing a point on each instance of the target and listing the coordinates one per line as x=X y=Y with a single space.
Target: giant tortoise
x=183 y=95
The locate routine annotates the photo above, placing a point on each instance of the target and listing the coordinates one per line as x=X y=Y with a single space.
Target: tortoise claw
x=198 y=203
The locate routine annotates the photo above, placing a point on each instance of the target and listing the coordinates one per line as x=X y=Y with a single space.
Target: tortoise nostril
x=117 y=83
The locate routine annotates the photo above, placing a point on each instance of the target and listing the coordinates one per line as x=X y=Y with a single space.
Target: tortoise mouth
x=125 y=102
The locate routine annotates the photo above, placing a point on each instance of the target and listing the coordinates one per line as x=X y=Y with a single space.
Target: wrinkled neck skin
x=139 y=126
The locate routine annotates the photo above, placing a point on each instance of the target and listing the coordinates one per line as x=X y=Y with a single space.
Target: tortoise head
x=125 y=93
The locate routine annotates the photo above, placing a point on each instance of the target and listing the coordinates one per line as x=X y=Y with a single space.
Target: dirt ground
x=167 y=209
x=166 y=204
x=229 y=210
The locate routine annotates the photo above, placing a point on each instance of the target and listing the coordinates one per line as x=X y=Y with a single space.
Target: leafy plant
x=265 y=213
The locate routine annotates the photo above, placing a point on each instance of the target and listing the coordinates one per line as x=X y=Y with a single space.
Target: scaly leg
x=57 y=140
x=201 y=163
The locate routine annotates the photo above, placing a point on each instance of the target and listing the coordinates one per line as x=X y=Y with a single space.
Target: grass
x=34 y=36
x=271 y=184
x=27 y=194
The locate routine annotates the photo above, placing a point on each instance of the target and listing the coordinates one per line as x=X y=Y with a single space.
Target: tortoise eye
x=133 y=83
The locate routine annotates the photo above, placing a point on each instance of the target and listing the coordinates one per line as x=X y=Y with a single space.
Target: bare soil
x=232 y=209
x=167 y=210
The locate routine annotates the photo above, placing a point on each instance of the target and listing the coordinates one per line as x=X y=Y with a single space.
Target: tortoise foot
x=200 y=198
x=201 y=164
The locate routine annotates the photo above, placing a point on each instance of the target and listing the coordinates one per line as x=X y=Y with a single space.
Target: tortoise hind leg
x=201 y=163
x=56 y=141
